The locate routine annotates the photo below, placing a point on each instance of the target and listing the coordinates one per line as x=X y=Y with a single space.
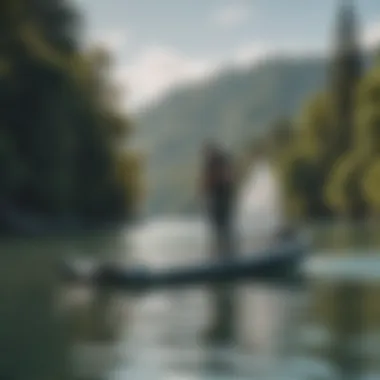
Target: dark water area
x=52 y=330
x=35 y=335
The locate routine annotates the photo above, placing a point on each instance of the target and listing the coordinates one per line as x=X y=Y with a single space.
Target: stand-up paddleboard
x=276 y=264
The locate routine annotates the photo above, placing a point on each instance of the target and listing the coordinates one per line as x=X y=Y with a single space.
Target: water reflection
x=56 y=331
x=40 y=322
x=291 y=333
x=32 y=341
x=50 y=330
x=166 y=328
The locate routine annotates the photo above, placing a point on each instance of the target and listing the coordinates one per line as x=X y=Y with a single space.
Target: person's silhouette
x=218 y=191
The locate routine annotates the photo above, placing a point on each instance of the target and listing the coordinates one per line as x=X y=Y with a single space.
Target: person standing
x=218 y=190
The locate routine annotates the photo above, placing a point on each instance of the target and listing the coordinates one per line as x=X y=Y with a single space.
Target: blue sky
x=159 y=44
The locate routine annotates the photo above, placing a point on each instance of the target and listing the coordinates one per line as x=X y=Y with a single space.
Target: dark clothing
x=220 y=209
x=218 y=174
x=219 y=193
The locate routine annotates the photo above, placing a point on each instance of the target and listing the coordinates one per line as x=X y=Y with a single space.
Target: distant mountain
x=233 y=107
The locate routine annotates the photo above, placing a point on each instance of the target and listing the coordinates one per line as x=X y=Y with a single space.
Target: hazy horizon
x=160 y=46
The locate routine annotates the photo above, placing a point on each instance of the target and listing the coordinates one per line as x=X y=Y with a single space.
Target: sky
x=161 y=44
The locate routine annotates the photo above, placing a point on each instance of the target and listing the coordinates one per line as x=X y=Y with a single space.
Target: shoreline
x=19 y=224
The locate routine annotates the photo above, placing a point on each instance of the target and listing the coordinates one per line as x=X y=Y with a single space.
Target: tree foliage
x=326 y=181
x=60 y=131
x=334 y=168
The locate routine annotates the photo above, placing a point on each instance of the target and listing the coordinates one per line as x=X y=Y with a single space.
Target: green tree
x=368 y=136
x=60 y=131
x=325 y=172
x=346 y=72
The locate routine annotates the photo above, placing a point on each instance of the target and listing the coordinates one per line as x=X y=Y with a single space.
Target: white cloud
x=231 y=15
x=246 y=55
x=371 y=37
x=158 y=69
x=114 y=40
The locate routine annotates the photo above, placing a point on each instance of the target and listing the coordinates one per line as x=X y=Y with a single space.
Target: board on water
x=281 y=262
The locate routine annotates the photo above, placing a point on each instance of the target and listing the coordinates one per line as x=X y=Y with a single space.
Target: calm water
x=49 y=330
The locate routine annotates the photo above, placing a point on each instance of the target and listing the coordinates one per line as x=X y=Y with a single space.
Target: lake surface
x=284 y=333
x=50 y=330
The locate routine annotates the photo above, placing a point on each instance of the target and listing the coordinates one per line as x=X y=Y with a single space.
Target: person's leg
x=226 y=232
x=223 y=309
x=219 y=228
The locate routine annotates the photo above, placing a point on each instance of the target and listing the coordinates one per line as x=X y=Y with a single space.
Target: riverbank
x=15 y=223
